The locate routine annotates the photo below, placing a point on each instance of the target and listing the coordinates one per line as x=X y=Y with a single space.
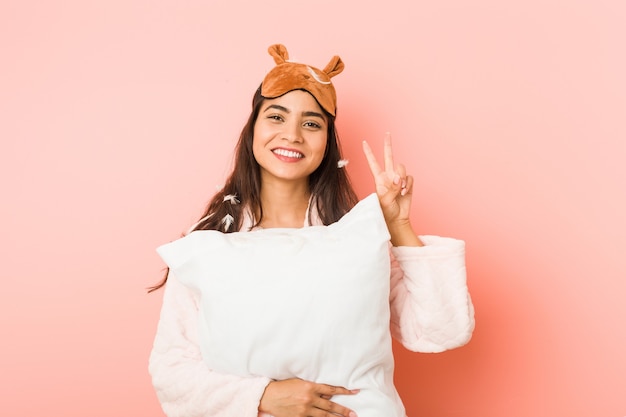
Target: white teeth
x=288 y=154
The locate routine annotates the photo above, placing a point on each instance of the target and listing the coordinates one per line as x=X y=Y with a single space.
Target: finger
x=371 y=159
x=336 y=409
x=326 y=392
x=388 y=152
x=401 y=174
x=408 y=189
x=330 y=390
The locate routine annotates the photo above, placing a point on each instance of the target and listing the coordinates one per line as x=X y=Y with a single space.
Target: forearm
x=431 y=309
x=185 y=386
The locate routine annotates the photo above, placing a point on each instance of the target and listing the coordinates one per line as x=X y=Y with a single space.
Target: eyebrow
x=286 y=110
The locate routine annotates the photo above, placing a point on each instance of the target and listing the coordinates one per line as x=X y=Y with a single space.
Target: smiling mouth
x=288 y=154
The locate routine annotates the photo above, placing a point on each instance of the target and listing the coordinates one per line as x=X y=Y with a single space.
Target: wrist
x=263 y=402
x=402 y=234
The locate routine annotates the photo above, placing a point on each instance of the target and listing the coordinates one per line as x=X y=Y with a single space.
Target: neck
x=284 y=204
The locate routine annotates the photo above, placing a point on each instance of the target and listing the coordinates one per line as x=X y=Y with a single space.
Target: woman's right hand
x=299 y=398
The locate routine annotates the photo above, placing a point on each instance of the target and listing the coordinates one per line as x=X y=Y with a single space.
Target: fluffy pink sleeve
x=431 y=309
x=185 y=386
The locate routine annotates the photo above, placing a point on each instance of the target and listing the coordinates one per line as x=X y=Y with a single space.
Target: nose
x=292 y=132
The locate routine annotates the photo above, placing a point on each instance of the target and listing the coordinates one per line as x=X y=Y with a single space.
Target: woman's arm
x=431 y=309
x=185 y=386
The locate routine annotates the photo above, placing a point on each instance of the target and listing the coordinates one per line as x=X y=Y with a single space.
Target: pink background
x=118 y=118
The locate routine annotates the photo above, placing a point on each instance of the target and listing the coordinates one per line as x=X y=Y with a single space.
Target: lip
x=287 y=154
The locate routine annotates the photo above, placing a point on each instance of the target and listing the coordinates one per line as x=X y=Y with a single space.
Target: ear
x=279 y=52
x=334 y=67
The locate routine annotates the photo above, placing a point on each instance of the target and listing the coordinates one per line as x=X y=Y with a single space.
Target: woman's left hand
x=394 y=189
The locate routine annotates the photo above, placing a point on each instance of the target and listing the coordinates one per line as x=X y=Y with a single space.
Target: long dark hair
x=332 y=194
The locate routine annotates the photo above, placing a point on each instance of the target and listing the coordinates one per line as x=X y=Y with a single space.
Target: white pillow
x=311 y=303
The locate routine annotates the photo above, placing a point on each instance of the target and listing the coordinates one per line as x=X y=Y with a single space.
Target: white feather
x=227 y=221
x=232 y=198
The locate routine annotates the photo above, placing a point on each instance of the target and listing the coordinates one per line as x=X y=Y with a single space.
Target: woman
x=287 y=174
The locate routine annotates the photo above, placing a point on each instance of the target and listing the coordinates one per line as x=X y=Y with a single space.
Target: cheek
x=319 y=152
x=322 y=147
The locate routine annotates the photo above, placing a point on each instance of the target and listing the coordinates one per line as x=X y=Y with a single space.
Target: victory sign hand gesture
x=394 y=189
